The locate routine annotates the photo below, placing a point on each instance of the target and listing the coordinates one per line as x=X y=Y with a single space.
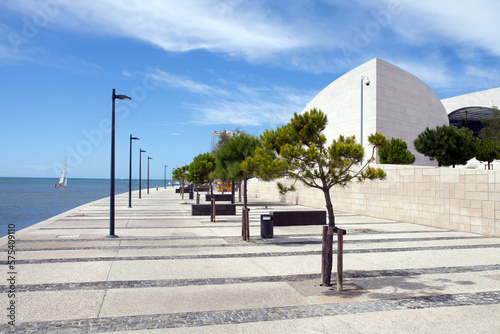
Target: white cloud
x=233 y=27
x=249 y=106
x=470 y=23
x=163 y=78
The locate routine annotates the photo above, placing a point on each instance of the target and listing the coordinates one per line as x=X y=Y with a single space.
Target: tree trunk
x=232 y=192
x=239 y=191
x=328 y=247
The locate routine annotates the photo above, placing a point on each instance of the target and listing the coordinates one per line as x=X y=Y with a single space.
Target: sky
x=193 y=67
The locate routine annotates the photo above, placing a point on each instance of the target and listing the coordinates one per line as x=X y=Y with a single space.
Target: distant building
x=395 y=103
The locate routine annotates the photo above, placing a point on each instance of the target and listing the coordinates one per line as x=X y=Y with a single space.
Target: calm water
x=27 y=201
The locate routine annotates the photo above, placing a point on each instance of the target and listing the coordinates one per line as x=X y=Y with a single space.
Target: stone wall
x=458 y=199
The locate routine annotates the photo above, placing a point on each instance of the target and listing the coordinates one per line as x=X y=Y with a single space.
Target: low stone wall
x=458 y=199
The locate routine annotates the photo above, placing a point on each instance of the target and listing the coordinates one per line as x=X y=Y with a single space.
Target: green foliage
x=491 y=128
x=446 y=144
x=180 y=174
x=396 y=153
x=487 y=151
x=230 y=156
x=299 y=151
x=200 y=169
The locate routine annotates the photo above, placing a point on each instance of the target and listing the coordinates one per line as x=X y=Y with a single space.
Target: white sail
x=64 y=178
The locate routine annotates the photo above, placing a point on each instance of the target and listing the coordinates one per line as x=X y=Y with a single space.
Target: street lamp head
x=143 y=150
x=134 y=138
x=150 y=158
x=367 y=81
x=122 y=97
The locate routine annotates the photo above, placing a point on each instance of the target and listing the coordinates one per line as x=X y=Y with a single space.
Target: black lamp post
x=149 y=158
x=112 y=188
x=165 y=178
x=130 y=173
x=140 y=173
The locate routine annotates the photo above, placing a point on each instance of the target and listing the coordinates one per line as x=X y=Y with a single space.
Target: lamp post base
x=112 y=236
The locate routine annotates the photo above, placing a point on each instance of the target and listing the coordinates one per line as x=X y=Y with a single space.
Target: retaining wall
x=457 y=199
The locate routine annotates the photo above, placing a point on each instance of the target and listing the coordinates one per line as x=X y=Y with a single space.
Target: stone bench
x=206 y=209
x=219 y=197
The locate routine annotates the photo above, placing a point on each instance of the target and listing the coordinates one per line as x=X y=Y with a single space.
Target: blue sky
x=195 y=67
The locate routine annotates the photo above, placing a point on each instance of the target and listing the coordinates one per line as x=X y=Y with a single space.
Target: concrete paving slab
x=294 y=326
x=199 y=298
x=41 y=273
x=446 y=320
x=186 y=269
x=57 y=305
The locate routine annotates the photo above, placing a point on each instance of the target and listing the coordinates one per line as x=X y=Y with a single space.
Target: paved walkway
x=171 y=272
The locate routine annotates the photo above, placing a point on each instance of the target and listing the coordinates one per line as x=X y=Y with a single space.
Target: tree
x=180 y=175
x=446 y=144
x=229 y=159
x=491 y=128
x=299 y=150
x=487 y=151
x=396 y=153
x=200 y=169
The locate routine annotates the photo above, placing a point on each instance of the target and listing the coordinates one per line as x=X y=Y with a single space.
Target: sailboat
x=63 y=180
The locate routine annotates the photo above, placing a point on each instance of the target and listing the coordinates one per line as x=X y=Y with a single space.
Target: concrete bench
x=219 y=197
x=206 y=209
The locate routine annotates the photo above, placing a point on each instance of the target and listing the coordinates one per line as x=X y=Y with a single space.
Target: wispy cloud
x=232 y=102
x=234 y=27
x=162 y=78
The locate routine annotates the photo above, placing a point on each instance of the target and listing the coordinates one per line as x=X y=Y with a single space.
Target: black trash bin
x=266 y=226
x=191 y=195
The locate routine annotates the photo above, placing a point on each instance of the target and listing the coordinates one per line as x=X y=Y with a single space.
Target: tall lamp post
x=172 y=177
x=112 y=187
x=149 y=158
x=165 y=178
x=367 y=83
x=130 y=173
x=140 y=173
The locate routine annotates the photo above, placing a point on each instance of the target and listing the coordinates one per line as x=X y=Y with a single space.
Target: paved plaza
x=170 y=272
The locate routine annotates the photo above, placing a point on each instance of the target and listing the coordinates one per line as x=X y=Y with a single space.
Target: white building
x=380 y=97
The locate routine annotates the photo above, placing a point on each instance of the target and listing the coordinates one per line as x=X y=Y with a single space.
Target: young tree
x=200 y=169
x=396 y=153
x=446 y=144
x=229 y=161
x=487 y=151
x=299 y=150
x=180 y=175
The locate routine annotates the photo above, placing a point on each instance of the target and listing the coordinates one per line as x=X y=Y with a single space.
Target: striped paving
x=169 y=271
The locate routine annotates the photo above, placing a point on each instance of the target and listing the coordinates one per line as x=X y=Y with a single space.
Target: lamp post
x=165 y=178
x=140 y=173
x=367 y=83
x=172 y=177
x=130 y=173
x=149 y=158
x=112 y=187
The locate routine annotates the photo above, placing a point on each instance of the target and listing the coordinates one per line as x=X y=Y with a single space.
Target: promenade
x=170 y=272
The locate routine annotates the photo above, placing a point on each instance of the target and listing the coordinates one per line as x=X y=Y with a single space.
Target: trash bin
x=191 y=195
x=266 y=226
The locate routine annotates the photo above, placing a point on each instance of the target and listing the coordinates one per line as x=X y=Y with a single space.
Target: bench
x=219 y=197
x=206 y=209
x=290 y=218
